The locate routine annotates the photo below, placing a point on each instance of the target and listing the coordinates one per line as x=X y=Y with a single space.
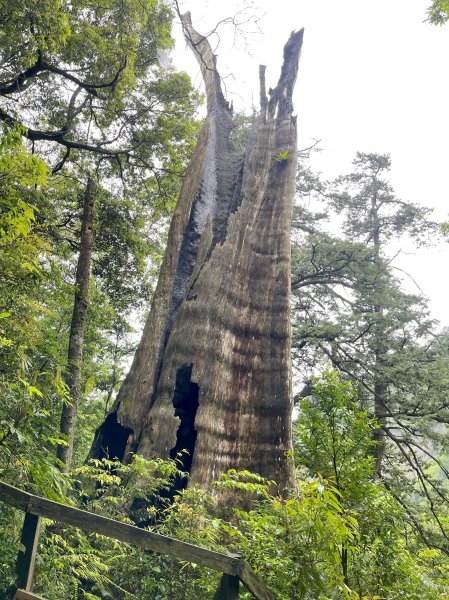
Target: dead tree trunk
x=212 y=373
x=78 y=325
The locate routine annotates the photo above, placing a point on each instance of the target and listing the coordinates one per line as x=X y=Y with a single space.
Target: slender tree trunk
x=380 y=399
x=78 y=326
x=212 y=373
x=380 y=351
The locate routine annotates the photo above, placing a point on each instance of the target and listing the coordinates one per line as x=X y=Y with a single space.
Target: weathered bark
x=78 y=325
x=212 y=373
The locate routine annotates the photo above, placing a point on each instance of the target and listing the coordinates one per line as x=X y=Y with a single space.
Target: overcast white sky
x=373 y=77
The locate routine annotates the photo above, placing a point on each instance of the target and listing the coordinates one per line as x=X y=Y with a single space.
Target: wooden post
x=27 y=556
x=228 y=588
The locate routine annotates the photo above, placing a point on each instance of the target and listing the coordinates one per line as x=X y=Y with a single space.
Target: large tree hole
x=185 y=403
x=111 y=439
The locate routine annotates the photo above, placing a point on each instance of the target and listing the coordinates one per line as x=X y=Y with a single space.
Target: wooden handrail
x=229 y=564
x=25 y=595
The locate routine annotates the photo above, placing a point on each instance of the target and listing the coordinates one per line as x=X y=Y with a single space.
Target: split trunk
x=212 y=373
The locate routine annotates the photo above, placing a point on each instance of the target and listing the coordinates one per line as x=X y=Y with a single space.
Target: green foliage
x=438 y=12
x=333 y=437
x=86 y=78
x=103 y=38
x=351 y=311
x=27 y=437
x=21 y=176
x=89 y=71
x=302 y=536
x=369 y=204
x=293 y=543
x=297 y=544
x=109 y=487
x=282 y=156
x=387 y=559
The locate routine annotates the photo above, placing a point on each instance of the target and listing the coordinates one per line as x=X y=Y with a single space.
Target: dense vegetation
x=84 y=95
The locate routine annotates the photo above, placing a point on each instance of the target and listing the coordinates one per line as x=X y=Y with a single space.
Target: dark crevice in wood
x=112 y=439
x=219 y=194
x=230 y=185
x=185 y=403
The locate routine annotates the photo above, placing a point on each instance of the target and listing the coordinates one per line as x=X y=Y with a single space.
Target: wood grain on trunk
x=212 y=373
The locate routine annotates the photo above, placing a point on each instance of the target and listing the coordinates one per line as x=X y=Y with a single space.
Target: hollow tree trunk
x=78 y=325
x=212 y=373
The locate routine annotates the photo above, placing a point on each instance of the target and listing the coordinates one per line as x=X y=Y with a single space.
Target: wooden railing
x=234 y=568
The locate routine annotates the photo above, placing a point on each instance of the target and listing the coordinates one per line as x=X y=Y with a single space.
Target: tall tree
x=78 y=324
x=374 y=215
x=351 y=310
x=357 y=274
x=212 y=371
